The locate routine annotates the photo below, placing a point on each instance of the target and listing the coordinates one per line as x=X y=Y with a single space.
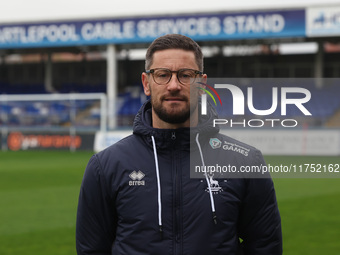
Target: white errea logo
x=136 y=178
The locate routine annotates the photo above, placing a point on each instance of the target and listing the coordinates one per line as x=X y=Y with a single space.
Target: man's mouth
x=174 y=99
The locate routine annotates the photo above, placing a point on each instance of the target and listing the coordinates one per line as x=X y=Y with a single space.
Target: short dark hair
x=174 y=41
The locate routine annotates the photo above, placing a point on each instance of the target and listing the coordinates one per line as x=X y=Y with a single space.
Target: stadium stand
x=49 y=114
x=82 y=67
x=323 y=105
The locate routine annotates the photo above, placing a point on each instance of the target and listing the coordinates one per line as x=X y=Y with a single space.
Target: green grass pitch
x=39 y=193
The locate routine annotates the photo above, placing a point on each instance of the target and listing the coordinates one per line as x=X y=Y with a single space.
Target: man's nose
x=174 y=83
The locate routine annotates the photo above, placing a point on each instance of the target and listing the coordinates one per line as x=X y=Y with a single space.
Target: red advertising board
x=48 y=141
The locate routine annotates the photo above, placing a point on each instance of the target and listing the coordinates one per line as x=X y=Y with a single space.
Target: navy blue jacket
x=137 y=196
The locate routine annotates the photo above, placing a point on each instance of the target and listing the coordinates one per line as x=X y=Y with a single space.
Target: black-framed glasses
x=162 y=76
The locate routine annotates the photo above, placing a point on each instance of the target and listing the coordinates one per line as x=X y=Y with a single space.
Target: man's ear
x=203 y=80
x=146 y=84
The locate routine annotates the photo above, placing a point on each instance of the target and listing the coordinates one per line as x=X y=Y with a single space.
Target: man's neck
x=158 y=123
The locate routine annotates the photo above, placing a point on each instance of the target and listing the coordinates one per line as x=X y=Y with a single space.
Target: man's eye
x=187 y=74
x=162 y=74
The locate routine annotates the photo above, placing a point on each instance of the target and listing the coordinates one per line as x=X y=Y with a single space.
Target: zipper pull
x=215 y=218
x=161 y=231
x=173 y=136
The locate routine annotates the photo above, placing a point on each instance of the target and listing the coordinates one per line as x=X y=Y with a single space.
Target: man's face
x=171 y=102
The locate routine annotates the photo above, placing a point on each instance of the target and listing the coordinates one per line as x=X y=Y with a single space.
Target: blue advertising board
x=200 y=27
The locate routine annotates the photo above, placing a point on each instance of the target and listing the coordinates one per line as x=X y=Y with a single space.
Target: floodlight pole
x=49 y=73
x=112 y=85
x=319 y=65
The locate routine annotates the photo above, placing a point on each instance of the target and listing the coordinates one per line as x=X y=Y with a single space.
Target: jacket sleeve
x=260 y=221
x=96 y=217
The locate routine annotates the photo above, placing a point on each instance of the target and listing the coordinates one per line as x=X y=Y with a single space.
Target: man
x=137 y=196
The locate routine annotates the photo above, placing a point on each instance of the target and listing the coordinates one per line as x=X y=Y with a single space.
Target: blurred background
x=70 y=86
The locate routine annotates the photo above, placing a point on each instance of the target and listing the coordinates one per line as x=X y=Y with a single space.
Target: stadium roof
x=85 y=25
x=16 y=11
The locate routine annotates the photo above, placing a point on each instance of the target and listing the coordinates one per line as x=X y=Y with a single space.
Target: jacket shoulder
x=125 y=143
x=120 y=151
x=230 y=144
x=248 y=159
x=233 y=140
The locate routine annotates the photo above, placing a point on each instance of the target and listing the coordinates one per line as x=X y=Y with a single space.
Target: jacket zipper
x=173 y=136
x=177 y=197
x=177 y=230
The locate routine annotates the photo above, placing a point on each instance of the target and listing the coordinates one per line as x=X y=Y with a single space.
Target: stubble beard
x=175 y=117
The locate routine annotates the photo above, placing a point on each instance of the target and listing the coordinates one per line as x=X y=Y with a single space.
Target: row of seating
x=46 y=113
x=39 y=88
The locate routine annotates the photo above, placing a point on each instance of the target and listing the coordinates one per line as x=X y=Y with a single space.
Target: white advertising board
x=105 y=139
x=292 y=142
x=323 y=21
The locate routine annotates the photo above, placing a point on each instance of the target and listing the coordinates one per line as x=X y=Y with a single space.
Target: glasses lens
x=186 y=76
x=162 y=76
